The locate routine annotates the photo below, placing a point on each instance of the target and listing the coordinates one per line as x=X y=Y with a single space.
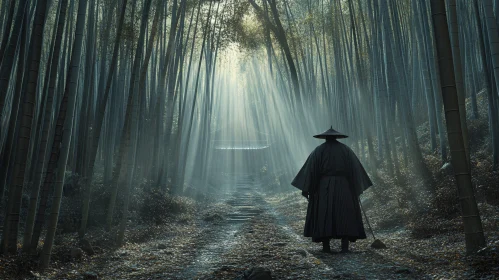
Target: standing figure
x=332 y=179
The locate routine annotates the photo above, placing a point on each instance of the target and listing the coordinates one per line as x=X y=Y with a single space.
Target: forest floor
x=249 y=229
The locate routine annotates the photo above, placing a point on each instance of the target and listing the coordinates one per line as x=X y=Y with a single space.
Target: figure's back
x=334 y=158
x=332 y=179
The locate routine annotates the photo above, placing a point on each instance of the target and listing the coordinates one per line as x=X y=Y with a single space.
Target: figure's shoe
x=344 y=246
x=325 y=247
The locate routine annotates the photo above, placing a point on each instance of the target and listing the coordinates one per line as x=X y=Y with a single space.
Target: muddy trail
x=252 y=233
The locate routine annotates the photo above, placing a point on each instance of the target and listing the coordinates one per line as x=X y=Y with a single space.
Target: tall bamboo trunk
x=99 y=121
x=435 y=79
x=131 y=149
x=64 y=127
x=7 y=64
x=280 y=34
x=47 y=123
x=9 y=237
x=458 y=70
x=125 y=142
x=494 y=53
x=54 y=154
x=8 y=24
x=473 y=230
x=15 y=116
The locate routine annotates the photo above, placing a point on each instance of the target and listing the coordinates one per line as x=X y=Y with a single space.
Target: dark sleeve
x=359 y=178
x=306 y=179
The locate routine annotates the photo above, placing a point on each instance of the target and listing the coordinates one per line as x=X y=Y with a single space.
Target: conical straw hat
x=330 y=133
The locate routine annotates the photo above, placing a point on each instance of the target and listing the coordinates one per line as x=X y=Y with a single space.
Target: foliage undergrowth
x=157 y=206
x=443 y=214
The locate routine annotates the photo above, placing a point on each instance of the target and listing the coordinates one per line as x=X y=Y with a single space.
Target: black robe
x=333 y=177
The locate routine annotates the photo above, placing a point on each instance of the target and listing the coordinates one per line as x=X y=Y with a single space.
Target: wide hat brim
x=330 y=133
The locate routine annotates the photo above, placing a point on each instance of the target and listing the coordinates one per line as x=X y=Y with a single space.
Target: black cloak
x=333 y=178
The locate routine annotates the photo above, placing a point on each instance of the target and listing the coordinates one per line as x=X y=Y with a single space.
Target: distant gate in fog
x=244 y=152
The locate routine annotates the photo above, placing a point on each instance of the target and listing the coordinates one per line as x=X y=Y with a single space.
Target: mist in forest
x=252 y=131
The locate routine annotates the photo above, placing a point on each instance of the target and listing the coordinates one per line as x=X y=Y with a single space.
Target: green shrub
x=158 y=206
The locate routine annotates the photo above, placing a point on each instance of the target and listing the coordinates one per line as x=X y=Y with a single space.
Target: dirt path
x=256 y=235
x=255 y=230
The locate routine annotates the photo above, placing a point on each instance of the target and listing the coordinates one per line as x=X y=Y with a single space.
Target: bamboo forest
x=249 y=139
